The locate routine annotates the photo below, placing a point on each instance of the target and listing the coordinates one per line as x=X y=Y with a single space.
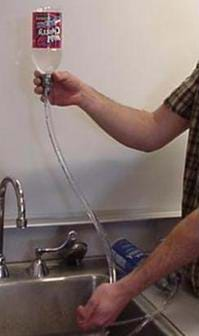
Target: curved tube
x=92 y=216
x=70 y=179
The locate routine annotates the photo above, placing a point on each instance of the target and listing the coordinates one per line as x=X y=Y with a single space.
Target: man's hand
x=103 y=307
x=180 y=247
x=66 y=89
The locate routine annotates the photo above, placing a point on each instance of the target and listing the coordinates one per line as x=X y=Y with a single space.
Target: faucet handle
x=75 y=254
x=38 y=268
x=76 y=251
x=4 y=273
x=68 y=243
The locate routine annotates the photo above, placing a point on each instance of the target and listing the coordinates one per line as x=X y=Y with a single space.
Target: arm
x=180 y=247
x=134 y=128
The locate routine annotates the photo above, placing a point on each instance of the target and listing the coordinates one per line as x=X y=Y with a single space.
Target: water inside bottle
x=46 y=60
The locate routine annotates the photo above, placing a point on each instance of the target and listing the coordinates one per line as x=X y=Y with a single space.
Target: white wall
x=135 y=51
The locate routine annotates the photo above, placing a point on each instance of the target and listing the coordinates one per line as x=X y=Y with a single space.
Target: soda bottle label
x=47 y=30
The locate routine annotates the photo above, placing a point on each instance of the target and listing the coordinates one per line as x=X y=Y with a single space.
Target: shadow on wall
x=107 y=185
x=22 y=59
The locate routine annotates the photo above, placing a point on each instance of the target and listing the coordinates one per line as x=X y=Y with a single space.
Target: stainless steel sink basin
x=47 y=307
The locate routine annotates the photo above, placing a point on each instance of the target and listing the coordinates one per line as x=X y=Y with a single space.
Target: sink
x=46 y=307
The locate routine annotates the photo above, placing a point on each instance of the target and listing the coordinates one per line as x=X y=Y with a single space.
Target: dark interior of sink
x=133 y=310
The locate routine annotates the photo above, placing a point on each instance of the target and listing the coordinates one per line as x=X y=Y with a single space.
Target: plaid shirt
x=185 y=102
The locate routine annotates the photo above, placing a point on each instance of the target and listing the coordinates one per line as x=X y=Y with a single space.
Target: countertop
x=182 y=311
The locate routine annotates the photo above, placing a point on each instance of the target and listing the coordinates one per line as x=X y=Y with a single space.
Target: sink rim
x=91 y=268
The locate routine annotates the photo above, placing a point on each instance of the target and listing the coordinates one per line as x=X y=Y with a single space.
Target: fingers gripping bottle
x=46 y=40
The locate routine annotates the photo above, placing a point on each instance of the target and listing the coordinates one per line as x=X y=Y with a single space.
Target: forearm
x=134 y=128
x=131 y=127
x=179 y=248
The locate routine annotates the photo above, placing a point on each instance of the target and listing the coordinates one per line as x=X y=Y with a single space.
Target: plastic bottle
x=47 y=47
x=46 y=39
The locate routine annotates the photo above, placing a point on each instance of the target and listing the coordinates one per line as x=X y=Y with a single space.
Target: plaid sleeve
x=181 y=99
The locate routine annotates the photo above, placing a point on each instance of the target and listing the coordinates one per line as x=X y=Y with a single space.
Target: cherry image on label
x=47 y=30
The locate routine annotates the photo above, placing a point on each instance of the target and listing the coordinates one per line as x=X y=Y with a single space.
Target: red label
x=47 y=30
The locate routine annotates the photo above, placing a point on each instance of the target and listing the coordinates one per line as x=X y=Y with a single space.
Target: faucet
x=21 y=221
x=72 y=250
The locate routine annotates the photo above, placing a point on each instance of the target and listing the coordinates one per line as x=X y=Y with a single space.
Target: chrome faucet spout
x=21 y=221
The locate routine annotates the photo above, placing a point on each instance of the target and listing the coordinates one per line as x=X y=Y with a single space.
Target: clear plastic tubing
x=46 y=55
x=69 y=177
x=144 y=320
x=149 y=317
x=47 y=38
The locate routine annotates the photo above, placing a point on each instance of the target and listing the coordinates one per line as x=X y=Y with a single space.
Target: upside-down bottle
x=46 y=39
